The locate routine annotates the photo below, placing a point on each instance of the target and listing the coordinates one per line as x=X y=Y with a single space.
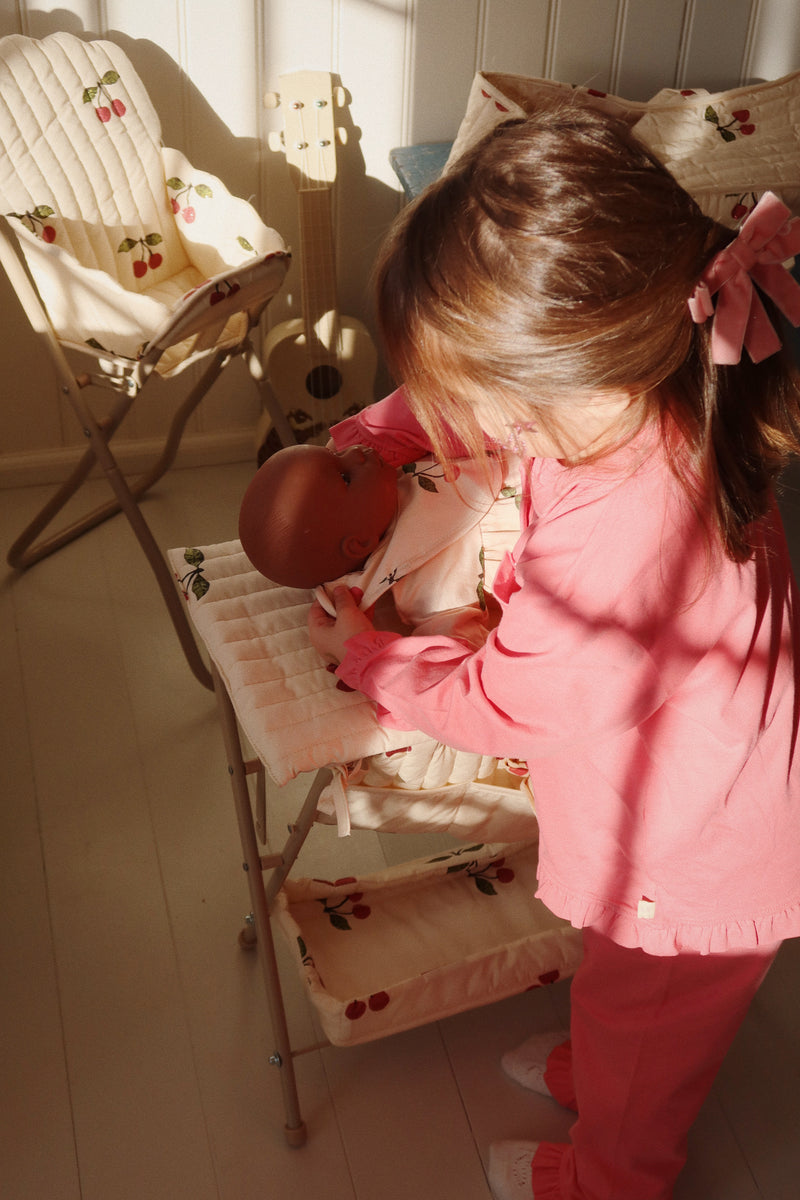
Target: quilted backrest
x=81 y=164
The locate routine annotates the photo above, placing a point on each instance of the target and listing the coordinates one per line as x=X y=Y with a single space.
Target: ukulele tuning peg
x=276 y=140
x=272 y=100
x=341 y=135
x=339 y=97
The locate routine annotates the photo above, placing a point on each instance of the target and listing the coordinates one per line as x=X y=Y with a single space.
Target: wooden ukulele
x=322 y=365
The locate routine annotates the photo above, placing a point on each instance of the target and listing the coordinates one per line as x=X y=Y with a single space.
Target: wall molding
x=43 y=467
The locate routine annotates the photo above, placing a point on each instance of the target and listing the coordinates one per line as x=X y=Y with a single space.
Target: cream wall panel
x=717 y=44
x=39 y=17
x=650 y=47
x=776 y=41
x=442 y=48
x=584 y=42
x=514 y=37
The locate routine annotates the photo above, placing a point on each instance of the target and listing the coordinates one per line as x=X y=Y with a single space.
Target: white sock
x=526 y=1064
x=510 y=1170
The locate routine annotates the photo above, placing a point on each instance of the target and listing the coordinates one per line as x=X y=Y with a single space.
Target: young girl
x=644 y=663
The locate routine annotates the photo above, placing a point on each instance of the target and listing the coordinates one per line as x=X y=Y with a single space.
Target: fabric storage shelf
x=424 y=940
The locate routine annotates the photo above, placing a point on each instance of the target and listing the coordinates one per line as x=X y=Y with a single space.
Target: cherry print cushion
x=725 y=149
x=115 y=229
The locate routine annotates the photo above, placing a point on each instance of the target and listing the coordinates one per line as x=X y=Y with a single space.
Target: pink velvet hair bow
x=768 y=237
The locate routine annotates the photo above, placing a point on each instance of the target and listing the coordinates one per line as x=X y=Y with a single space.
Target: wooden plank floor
x=134 y=1036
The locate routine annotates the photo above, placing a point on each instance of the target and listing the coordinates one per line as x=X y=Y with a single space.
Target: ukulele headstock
x=309 y=135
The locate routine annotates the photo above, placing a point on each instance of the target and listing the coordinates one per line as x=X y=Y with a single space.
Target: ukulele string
x=324 y=148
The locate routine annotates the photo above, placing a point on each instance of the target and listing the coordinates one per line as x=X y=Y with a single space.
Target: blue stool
x=417 y=166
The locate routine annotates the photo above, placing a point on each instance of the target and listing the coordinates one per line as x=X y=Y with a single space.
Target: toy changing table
x=403 y=946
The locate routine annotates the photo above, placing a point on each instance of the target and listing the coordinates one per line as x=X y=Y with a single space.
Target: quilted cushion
x=82 y=156
x=115 y=228
x=725 y=149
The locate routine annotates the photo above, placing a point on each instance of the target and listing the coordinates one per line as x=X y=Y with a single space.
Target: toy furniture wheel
x=248 y=938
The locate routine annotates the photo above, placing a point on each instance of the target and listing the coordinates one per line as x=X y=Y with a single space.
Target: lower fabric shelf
x=424 y=940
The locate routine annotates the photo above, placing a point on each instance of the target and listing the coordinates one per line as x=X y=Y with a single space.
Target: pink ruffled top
x=650 y=684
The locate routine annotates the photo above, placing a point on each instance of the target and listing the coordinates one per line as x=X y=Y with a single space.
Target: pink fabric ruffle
x=558 y=1076
x=627 y=929
x=546 y=1171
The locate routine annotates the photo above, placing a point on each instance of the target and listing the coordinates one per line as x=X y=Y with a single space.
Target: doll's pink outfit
x=650 y=684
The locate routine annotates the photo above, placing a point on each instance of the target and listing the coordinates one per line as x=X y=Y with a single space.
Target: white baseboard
x=29 y=468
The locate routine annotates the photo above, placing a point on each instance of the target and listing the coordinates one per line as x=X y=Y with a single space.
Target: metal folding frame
x=126 y=383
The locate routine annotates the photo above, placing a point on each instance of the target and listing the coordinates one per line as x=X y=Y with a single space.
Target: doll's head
x=312 y=514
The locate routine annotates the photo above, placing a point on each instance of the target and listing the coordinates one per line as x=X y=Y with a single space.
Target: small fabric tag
x=646 y=909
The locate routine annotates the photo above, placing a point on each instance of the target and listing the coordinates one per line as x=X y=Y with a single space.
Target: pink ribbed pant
x=648 y=1037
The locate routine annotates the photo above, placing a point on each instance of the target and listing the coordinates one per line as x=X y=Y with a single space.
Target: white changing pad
x=298 y=716
x=292 y=709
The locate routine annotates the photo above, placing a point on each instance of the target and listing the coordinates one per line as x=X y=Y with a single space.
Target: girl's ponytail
x=746 y=422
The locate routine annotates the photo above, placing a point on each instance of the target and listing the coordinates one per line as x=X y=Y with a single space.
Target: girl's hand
x=329 y=634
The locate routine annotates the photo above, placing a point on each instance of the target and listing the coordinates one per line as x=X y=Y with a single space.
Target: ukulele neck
x=319 y=298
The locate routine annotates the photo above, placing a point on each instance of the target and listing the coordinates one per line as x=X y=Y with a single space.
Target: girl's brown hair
x=554 y=260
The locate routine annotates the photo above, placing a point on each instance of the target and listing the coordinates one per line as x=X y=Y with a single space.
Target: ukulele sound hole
x=323 y=383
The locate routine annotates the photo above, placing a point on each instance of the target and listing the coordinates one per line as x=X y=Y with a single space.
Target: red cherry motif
x=337 y=911
x=222 y=291
x=35 y=218
x=742 y=115
x=739 y=123
x=544 y=980
x=98 y=92
x=180 y=201
x=744 y=204
x=149 y=258
x=376 y=1003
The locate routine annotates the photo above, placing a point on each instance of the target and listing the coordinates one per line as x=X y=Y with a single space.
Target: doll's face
x=312 y=514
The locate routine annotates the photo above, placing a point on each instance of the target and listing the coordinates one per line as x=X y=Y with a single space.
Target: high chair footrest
x=430 y=938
